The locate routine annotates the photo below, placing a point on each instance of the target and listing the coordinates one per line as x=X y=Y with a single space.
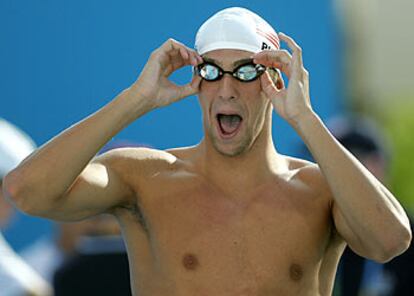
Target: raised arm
x=60 y=180
x=366 y=214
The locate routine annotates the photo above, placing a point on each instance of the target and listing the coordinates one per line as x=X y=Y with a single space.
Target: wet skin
x=229 y=216
x=188 y=236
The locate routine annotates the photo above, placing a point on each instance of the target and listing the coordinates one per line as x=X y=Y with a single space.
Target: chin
x=232 y=149
x=230 y=153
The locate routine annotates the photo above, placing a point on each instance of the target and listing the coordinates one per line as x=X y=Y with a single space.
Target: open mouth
x=229 y=124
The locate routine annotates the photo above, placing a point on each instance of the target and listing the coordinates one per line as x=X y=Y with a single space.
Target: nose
x=227 y=87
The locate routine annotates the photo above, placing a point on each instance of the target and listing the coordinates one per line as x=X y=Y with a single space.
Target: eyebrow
x=235 y=64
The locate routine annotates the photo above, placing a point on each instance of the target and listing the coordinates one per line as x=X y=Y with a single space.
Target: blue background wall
x=62 y=60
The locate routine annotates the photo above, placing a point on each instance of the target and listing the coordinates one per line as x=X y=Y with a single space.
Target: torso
x=186 y=236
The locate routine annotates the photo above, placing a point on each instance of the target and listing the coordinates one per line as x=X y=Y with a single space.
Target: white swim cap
x=15 y=145
x=236 y=28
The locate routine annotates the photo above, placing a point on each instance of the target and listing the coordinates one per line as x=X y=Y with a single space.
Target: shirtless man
x=229 y=216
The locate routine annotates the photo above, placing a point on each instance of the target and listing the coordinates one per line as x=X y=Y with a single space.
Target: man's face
x=234 y=111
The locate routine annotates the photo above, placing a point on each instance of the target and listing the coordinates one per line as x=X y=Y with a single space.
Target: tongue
x=229 y=123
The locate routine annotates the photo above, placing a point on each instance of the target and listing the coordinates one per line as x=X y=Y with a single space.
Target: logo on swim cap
x=265 y=46
x=236 y=28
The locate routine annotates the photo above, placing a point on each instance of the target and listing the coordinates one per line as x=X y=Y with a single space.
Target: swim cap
x=236 y=28
x=15 y=145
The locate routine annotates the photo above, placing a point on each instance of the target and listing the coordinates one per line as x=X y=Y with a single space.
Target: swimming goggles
x=245 y=73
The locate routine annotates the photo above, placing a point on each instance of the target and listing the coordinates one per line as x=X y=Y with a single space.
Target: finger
x=199 y=59
x=186 y=53
x=173 y=55
x=195 y=85
x=296 y=49
x=297 y=63
x=174 y=63
x=270 y=58
x=180 y=55
x=174 y=50
x=280 y=59
x=268 y=87
x=194 y=58
x=172 y=44
x=190 y=88
x=175 y=60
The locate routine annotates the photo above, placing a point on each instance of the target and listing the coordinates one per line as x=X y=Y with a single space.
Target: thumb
x=268 y=87
x=191 y=88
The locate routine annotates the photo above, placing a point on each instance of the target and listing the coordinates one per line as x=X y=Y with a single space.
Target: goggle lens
x=247 y=73
x=209 y=72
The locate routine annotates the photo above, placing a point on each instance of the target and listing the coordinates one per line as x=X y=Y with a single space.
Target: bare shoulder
x=133 y=161
x=298 y=163
x=136 y=153
x=303 y=167
x=309 y=173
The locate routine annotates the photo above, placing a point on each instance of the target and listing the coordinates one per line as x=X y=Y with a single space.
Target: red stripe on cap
x=269 y=36
x=269 y=39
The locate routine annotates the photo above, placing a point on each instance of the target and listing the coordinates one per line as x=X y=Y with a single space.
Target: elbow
x=403 y=242
x=15 y=190
x=395 y=246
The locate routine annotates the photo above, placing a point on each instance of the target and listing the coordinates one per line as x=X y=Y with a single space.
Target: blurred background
x=62 y=60
x=378 y=41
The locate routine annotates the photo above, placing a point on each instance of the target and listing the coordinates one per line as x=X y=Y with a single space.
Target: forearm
x=371 y=212
x=50 y=171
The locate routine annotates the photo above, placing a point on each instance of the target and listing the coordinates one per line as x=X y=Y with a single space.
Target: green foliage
x=399 y=125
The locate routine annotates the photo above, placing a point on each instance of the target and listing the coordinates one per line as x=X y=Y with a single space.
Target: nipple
x=190 y=261
x=296 y=272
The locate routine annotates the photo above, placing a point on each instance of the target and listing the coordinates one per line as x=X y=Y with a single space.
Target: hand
x=153 y=84
x=294 y=102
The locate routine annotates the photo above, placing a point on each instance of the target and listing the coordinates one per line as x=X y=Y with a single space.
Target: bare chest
x=249 y=237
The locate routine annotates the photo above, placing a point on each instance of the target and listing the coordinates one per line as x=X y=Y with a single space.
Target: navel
x=295 y=272
x=190 y=261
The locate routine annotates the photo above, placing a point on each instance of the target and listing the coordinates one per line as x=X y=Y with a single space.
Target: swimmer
x=230 y=215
